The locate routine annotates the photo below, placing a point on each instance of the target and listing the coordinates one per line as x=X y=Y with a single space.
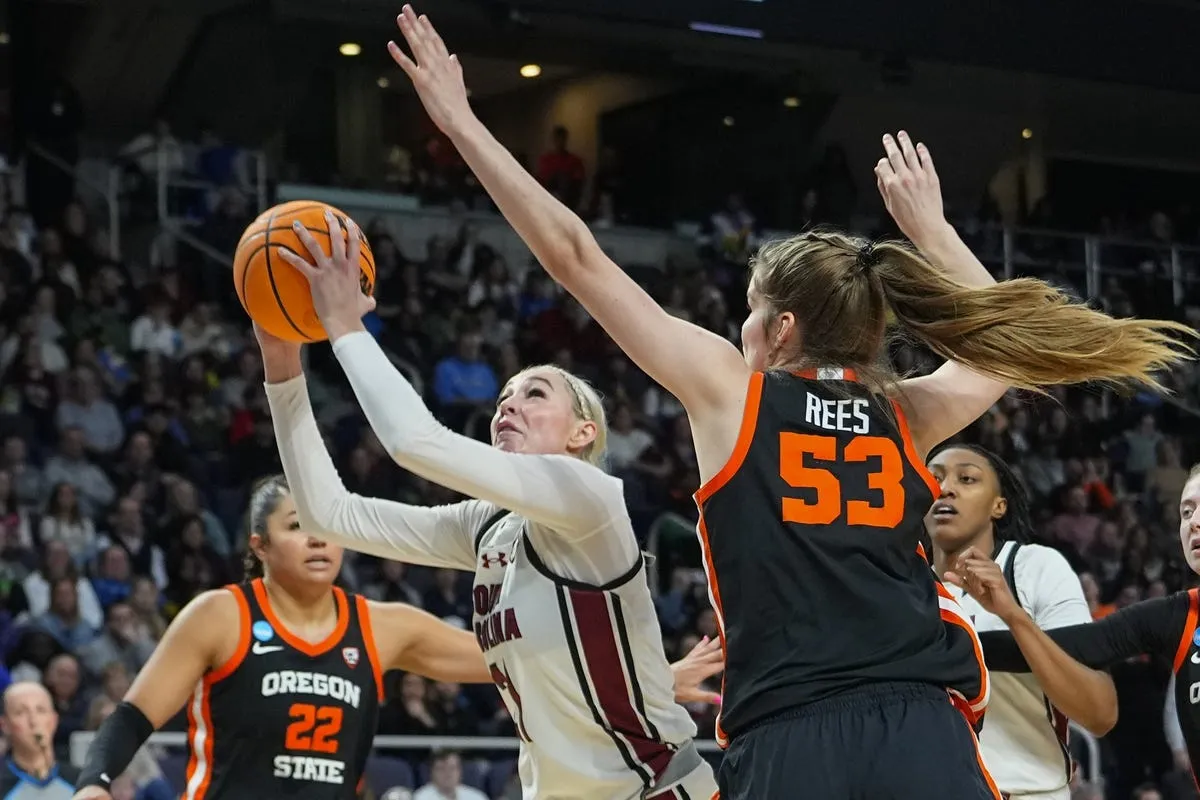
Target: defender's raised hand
x=434 y=72
x=909 y=185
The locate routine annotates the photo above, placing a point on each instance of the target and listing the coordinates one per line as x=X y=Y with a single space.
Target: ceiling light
x=792 y=101
x=531 y=71
x=383 y=82
x=727 y=122
x=350 y=48
x=4 y=37
x=1027 y=133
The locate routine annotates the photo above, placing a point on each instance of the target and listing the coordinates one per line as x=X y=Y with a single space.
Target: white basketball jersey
x=582 y=672
x=1024 y=738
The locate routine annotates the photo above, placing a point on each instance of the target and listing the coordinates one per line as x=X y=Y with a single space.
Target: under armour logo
x=490 y=560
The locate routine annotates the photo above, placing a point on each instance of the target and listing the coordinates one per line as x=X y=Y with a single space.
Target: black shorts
x=888 y=741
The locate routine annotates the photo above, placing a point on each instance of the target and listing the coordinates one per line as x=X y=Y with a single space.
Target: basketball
x=273 y=292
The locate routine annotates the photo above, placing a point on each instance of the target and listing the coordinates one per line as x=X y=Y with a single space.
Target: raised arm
x=201 y=641
x=666 y=348
x=441 y=536
x=565 y=494
x=943 y=403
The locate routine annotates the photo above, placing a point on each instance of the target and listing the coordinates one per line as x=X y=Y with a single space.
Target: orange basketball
x=273 y=292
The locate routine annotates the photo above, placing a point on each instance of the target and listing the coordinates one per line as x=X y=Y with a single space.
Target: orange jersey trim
x=311 y=649
x=1189 y=628
x=364 y=623
x=741 y=447
x=910 y=451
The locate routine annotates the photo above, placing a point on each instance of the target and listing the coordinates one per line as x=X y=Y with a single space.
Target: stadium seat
x=386 y=772
x=174 y=769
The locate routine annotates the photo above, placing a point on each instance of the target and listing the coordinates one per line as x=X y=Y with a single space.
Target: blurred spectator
x=153 y=332
x=122 y=641
x=464 y=383
x=27 y=479
x=64 y=680
x=445 y=780
x=448 y=599
x=56 y=565
x=127 y=530
x=63 y=619
x=560 y=170
x=86 y=409
x=64 y=522
x=71 y=465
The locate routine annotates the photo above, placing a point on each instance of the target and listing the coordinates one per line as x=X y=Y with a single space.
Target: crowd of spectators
x=133 y=421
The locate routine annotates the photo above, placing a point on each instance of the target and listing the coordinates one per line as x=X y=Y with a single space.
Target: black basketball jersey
x=284 y=718
x=811 y=537
x=1187 y=680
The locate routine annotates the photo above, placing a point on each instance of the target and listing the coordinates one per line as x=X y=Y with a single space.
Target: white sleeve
x=569 y=496
x=1049 y=588
x=1171 y=727
x=441 y=536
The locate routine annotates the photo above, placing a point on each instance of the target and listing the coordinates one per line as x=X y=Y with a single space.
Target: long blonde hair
x=1023 y=332
x=587 y=406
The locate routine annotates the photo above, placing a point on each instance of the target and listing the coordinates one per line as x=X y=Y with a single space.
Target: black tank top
x=812 y=535
x=284 y=718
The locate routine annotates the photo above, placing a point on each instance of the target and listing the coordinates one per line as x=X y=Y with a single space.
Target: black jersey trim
x=541 y=567
x=639 y=701
x=488 y=524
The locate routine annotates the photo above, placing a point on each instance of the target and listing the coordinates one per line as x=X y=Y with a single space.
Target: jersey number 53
x=828 y=505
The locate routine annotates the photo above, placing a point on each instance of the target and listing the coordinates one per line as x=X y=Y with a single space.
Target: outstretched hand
x=435 y=73
x=701 y=663
x=908 y=183
x=333 y=277
x=982 y=578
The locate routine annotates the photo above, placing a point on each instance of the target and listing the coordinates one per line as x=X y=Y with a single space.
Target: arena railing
x=1086 y=260
x=81 y=740
x=107 y=191
x=167 y=182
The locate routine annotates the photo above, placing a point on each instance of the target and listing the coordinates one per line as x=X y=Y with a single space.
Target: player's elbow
x=572 y=254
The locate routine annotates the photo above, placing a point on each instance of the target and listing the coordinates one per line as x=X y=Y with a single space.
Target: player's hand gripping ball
x=274 y=293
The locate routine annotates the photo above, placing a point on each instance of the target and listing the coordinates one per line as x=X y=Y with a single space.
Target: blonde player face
x=291 y=554
x=1189 y=522
x=536 y=414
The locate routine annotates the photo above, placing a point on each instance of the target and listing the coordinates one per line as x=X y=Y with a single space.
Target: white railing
x=81 y=740
x=109 y=192
x=166 y=180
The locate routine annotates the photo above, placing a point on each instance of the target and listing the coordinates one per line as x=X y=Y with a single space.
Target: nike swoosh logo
x=1196 y=658
x=261 y=649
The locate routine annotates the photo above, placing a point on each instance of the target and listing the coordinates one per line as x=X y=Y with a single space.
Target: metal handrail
x=81 y=740
x=111 y=194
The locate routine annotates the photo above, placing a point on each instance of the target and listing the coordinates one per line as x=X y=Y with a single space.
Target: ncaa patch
x=1196 y=639
x=350 y=655
x=262 y=631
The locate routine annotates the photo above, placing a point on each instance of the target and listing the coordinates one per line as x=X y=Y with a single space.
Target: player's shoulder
x=1038 y=559
x=222 y=606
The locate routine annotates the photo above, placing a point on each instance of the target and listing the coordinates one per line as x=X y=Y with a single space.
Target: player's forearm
x=554 y=233
x=946 y=250
x=1083 y=694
